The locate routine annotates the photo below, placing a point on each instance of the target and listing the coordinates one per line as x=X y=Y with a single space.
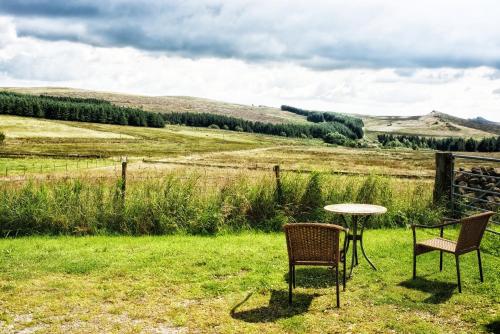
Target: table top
x=356 y=209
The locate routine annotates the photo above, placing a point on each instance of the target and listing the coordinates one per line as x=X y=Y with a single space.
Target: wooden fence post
x=444 y=176
x=279 y=190
x=124 y=178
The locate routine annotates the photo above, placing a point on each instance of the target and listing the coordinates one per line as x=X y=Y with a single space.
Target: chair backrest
x=472 y=230
x=313 y=242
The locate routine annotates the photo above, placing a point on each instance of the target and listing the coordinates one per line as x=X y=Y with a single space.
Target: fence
x=469 y=184
x=34 y=165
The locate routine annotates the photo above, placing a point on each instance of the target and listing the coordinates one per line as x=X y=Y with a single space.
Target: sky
x=367 y=57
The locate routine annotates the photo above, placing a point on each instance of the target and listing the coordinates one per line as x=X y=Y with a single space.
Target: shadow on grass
x=440 y=291
x=315 y=277
x=278 y=307
x=493 y=327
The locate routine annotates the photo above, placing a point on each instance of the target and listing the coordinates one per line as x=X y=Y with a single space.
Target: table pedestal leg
x=363 y=249
x=355 y=238
x=354 y=243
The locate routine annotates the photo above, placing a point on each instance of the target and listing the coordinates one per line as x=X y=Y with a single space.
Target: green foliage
x=184 y=204
x=213 y=126
x=2 y=137
x=353 y=123
x=237 y=124
x=491 y=144
x=335 y=138
x=76 y=109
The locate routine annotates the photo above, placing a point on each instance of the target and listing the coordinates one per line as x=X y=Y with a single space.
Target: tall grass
x=186 y=203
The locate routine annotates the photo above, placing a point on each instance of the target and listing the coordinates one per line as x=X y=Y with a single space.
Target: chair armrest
x=453 y=222
x=441 y=226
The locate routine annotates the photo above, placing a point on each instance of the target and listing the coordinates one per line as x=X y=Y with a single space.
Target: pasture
x=194 y=244
x=233 y=284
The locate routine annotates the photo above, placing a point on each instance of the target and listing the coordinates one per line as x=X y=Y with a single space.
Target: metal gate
x=475 y=186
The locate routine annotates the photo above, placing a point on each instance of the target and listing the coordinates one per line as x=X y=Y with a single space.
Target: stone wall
x=483 y=178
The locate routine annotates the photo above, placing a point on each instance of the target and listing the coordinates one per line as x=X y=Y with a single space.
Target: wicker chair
x=314 y=244
x=471 y=232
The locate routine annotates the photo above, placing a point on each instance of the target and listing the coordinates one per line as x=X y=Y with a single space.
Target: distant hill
x=433 y=124
x=475 y=123
x=172 y=104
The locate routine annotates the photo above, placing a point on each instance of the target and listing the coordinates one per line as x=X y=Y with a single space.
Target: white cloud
x=27 y=61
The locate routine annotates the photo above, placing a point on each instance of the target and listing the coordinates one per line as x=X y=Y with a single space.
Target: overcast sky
x=370 y=57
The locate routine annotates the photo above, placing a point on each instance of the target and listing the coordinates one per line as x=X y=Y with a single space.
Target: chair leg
x=414 y=265
x=458 y=274
x=337 y=284
x=293 y=276
x=480 y=265
x=440 y=260
x=290 y=279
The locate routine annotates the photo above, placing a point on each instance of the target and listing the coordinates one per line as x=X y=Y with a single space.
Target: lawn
x=234 y=283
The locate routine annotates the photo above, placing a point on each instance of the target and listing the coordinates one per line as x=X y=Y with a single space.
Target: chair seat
x=437 y=244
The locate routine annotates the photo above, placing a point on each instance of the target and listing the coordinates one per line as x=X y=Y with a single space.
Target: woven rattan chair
x=313 y=244
x=471 y=232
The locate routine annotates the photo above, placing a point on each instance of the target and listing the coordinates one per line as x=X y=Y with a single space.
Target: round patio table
x=356 y=211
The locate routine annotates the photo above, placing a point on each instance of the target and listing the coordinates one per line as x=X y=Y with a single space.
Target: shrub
x=186 y=204
x=335 y=138
x=238 y=128
x=2 y=137
x=213 y=126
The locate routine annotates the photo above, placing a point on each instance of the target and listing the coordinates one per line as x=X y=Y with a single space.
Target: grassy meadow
x=234 y=284
x=196 y=244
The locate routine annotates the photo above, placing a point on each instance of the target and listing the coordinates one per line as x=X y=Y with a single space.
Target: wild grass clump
x=185 y=203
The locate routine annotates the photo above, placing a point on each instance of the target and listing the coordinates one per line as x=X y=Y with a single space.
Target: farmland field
x=59 y=177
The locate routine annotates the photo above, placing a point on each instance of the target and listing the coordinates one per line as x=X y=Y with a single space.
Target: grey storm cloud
x=321 y=35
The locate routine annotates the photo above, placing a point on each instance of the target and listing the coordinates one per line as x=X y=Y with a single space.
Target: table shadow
x=440 y=291
x=278 y=307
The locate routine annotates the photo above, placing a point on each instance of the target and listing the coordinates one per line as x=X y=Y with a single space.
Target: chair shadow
x=440 y=291
x=278 y=307
x=493 y=327
x=315 y=277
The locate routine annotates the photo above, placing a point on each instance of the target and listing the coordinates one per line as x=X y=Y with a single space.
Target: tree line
x=353 y=123
x=76 y=109
x=490 y=144
x=237 y=124
x=101 y=111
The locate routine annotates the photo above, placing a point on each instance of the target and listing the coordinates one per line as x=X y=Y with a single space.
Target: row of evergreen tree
x=76 y=109
x=101 y=111
x=238 y=124
x=353 y=123
x=491 y=144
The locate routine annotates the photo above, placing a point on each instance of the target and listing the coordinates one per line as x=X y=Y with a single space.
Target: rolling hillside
x=172 y=104
x=432 y=124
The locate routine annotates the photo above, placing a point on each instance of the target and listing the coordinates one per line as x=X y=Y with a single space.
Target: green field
x=35 y=137
x=63 y=178
x=234 y=284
